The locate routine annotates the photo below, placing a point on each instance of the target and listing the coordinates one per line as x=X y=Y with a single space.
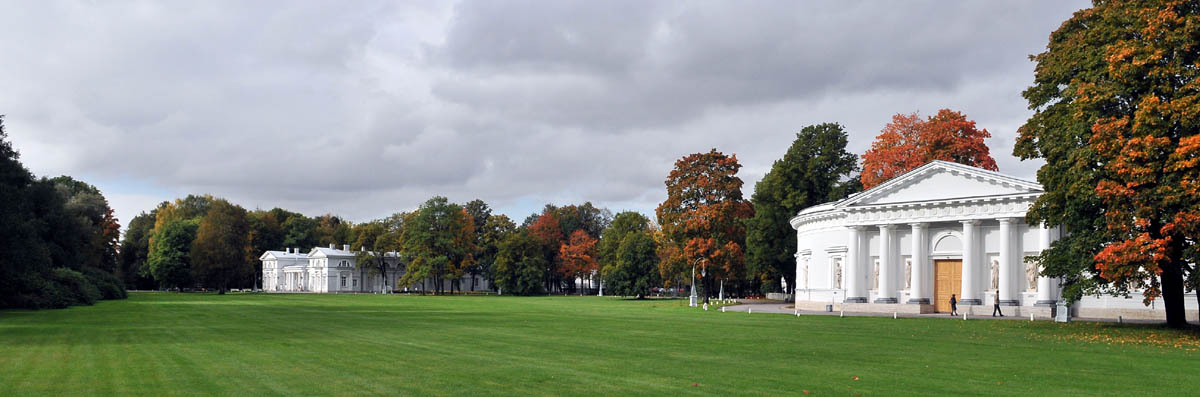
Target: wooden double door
x=947 y=280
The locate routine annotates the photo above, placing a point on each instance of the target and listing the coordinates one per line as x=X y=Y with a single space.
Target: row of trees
x=207 y=241
x=59 y=239
x=704 y=226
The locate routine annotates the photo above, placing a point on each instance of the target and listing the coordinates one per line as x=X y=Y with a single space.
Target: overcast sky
x=366 y=108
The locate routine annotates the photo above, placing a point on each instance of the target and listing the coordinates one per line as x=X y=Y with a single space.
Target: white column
x=970 y=263
x=1045 y=296
x=887 y=284
x=1008 y=262
x=855 y=289
x=920 y=255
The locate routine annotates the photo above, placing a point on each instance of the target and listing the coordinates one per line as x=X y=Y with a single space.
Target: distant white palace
x=942 y=229
x=334 y=270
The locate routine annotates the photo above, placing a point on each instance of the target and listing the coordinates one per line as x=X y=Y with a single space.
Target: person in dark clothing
x=953 y=305
x=996 y=307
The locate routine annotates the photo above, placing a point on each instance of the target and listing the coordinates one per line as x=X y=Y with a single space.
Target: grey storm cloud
x=366 y=108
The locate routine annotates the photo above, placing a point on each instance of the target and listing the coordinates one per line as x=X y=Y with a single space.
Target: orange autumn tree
x=547 y=231
x=909 y=142
x=578 y=257
x=703 y=217
x=1117 y=120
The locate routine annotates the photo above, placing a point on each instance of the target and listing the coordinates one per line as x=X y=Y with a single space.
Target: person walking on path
x=996 y=307
x=953 y=305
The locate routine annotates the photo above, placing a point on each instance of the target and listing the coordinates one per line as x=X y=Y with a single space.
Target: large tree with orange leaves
x=578 y=256
x=909 y=142
x=1117 y=120
x=703 y=216
x=547 y=231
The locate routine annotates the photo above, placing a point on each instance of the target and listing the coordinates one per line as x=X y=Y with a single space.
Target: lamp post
x=692 y=299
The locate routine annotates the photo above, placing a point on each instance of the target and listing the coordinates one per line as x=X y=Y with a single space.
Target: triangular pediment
x=941 y=180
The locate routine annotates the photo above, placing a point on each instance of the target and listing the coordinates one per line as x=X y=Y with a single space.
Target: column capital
x=1009 y=221
x=919 y=224
x=884 y=226
x=857 y=228
x=972 y=222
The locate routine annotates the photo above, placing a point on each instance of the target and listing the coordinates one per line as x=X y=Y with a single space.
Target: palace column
x=1045 y=297
x=887 y=286
x=855 y=289
x=970 y=263
x=920 y=255
x=1008 y=262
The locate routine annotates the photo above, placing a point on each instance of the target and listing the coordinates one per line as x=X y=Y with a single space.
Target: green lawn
x=375 y=344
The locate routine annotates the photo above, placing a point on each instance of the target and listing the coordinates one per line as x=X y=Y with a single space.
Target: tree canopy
x=909 y=142
x=439 y=240
x=59 y=236
x=1116 y=100
x=634 y=272
x=218 y=250
x=520 y=264
x=578 y=256
x=703 y=216
x=817 y=168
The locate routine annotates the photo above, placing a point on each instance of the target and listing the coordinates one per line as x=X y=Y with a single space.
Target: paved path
x=783 y=308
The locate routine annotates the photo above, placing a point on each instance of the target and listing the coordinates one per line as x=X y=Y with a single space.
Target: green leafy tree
x=265 y=232
x=817 y=168
x=190 y=207
x=439 y=240
x=218 y=250
x=622 y=224
x=382 y=245
x=27 y=262
x=480 y=213
x=332 y=229
x=1116 y=119
x=299 y=231
x=135 y=248
x=170 y=254
x=95 y=228
x=495 y=231
x=635 y=271
x=520 y=264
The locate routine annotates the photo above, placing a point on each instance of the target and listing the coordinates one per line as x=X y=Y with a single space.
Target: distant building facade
x=330 y=270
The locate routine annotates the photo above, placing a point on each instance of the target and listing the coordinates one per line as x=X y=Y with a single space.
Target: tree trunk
x=1172 y=295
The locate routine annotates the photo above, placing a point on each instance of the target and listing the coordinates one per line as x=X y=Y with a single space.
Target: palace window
x=343 y=280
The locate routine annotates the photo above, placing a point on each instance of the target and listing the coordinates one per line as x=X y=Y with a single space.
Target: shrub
x=109 y=285
x=71 y=286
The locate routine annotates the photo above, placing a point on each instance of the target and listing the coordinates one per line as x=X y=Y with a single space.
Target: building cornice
x=983 y=207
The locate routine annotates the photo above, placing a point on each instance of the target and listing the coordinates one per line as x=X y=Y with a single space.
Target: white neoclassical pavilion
x=941 y=229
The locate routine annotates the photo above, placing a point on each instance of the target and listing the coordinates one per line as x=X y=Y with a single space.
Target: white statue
x=1031 y=273
x=805 y=274
x=837 y=274
x=875 y=278
x=995 y=275
x=908 y=274
x=784 y=282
